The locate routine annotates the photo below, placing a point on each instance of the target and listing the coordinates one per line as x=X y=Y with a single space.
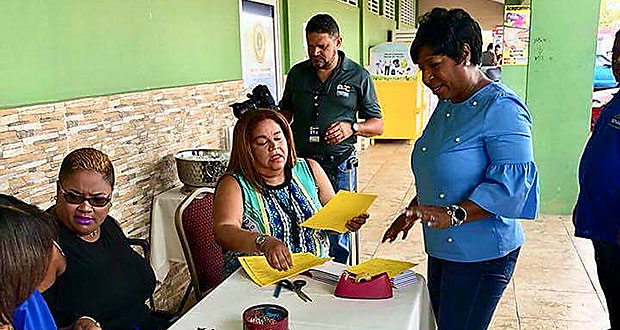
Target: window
x=389 y=9
x=373 y=6
x=349 y=2
x=407 y=12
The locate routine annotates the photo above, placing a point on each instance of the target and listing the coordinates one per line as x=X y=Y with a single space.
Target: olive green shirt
x=346 y=95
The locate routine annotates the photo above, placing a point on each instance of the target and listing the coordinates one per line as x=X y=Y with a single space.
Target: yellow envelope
x=262 y=274
x=377 y=266
x=340 y=209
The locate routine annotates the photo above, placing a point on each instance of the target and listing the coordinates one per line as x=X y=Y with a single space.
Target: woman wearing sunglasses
x=105 y=278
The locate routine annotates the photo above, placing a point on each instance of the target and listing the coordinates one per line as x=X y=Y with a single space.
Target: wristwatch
x=457 y=214
x=260 y=240
x=355 y=128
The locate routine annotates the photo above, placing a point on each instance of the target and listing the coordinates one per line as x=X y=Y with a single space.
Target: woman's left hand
x=434 y=216
x=354 y=224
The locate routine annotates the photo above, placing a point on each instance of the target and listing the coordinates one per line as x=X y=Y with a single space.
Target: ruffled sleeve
x=510 y=185
x=509 y=190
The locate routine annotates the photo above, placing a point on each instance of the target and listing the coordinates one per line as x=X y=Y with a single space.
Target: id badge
x=314 y=136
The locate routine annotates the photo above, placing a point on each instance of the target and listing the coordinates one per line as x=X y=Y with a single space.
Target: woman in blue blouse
x=475 y=174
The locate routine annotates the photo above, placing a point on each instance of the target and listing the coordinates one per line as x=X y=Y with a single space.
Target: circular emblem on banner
x=260 y=41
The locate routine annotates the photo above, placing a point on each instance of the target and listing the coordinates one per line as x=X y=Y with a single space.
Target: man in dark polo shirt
x=595 y=215
x=323 y=98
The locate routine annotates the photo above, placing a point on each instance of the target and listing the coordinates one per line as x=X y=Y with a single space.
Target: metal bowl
x=201 y=167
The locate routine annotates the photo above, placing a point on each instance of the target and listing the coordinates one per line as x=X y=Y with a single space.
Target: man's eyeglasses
x=96 y=201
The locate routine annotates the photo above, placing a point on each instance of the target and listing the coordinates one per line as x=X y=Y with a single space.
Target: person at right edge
x=595 y=216
x=323 y=98
x=474 y=172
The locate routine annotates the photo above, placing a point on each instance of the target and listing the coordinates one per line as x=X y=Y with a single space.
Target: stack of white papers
x=327 y=273
x=404 y=279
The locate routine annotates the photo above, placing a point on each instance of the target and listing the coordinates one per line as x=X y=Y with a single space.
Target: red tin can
x=265 y=317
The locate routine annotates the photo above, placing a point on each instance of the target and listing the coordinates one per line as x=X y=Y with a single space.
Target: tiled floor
x=554 y=285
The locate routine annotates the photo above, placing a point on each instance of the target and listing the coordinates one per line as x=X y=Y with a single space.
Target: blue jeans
x=464 y=294
x=342 y=177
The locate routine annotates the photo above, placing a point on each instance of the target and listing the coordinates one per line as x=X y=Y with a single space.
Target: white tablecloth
x=165 y=243
x=409 y=309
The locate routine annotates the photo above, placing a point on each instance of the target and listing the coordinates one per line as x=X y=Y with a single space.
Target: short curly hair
x=446 y=32
x=323 y=23
x=87 y=159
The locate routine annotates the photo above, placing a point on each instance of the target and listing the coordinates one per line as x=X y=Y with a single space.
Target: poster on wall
x=391 y=59
x=258 y=51
x=516 y=35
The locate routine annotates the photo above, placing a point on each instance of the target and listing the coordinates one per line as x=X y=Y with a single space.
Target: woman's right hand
x=277 y=254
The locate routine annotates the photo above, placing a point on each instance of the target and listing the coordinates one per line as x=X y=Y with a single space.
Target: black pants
x=607 y=256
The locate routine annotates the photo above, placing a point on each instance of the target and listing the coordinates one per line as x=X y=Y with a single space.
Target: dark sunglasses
x=75 y=199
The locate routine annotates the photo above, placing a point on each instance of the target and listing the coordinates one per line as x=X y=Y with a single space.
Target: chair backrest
x=194 y=224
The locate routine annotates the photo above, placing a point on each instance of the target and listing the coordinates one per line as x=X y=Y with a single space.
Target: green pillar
x=559 y=92
x=285 y=47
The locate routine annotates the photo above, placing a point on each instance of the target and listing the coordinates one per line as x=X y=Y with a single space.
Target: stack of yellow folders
x=262 y=274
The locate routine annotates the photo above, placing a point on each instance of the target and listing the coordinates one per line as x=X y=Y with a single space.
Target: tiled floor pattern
x=554 y=285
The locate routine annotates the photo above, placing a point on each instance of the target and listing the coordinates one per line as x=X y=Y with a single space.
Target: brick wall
x=139 y=131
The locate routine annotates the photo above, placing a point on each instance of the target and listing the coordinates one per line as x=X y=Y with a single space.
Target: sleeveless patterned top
x=279 y=210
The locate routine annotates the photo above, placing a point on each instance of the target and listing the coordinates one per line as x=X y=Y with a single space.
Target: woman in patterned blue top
x=267 y=193
x=475 y=174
